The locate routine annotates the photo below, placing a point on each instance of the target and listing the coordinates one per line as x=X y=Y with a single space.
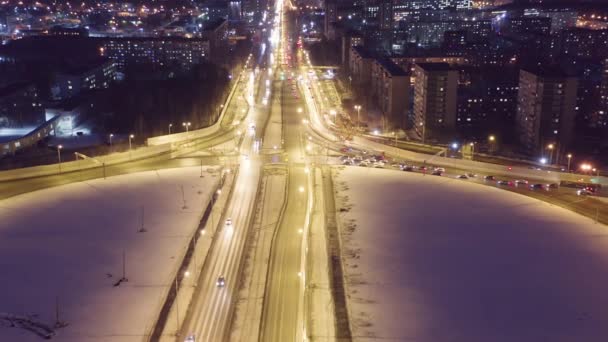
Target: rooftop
x=391 y=67
x=361 y=51
x=435 y=66
x=546 y=71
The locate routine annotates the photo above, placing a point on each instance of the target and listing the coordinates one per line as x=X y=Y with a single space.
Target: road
x=283 y=317
x=210 y=312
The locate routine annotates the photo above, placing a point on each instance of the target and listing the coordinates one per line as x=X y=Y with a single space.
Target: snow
x=66 y=244
x=434 y=259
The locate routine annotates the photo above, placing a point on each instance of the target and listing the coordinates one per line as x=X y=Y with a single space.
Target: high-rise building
x=545 y=108
x=600 y=118
x=585 y=43
x=161 y=52
x=390 y=90
x=360 y=66
x=435 y=90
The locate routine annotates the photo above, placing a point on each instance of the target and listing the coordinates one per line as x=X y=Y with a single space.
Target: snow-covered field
x=65 y=245
x=435 y=259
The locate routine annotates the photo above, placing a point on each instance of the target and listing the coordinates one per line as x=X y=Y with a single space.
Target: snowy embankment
x=434 y=259
x=61 y=254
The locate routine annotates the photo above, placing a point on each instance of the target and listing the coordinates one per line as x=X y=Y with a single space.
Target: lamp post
x=131 y=136
x=472 y=144
x=170 y=125
x=111 y=136
x=569 y=159
x=187 y=125
x=423 y=131
x=358 y=108
x=333 y=114
x=59 y=147
x=550 y=147
x=492 y=139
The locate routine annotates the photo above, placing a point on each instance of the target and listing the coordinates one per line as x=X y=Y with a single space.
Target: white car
x=229 y=222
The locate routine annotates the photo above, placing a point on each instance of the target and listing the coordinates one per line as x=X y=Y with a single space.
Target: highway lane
x=210 y=312
x=281 y=320
x=283 y=317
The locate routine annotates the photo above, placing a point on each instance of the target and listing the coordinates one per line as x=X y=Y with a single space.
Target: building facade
x=545 y=108
x=360 y=65
x=71 y=82
x=20 y=106
x=435 y=91
x=390 y=90
x=161 y=52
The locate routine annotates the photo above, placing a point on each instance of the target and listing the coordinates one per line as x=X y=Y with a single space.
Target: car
x=408 y=168
x=489 y=178
x=221 y=281
x=440 y=169
x=229 y=222
x=190 y=338
x=378 y=165
x=364 y=163
x=397 y=166
x=504 y=182
x=436 y=173
x=471 y=175
x=585 y=191
x=462 y=177
x=537 y=186
x=521 y=182
x=347 y=162
x=343 y=158
x=422 y=168
x=553 y=186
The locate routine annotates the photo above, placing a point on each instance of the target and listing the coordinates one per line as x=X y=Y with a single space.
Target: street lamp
x=423 y=131
x=170 y=125
x=187 y=125
x=358 y=109
x=491 y=139
x=550 y=147
x=131 y=136
x=472 y=144
x=569 y=159
x=111 y=136
x=59 y=147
